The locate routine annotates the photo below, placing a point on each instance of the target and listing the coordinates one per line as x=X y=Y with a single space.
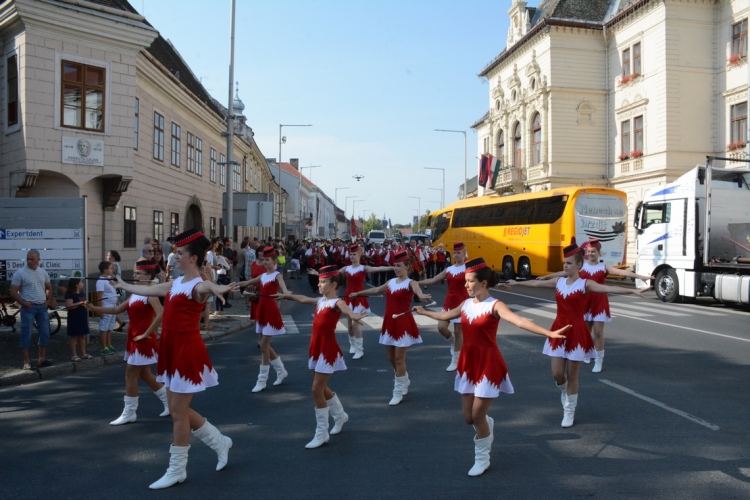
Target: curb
x=22 y=377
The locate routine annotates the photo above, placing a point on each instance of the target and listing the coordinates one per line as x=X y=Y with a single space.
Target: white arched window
x=536 y=134
x=517 y=144
x=501 y=146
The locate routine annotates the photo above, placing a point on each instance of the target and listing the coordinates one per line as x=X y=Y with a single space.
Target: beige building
x=628 y=94
x=95 y=103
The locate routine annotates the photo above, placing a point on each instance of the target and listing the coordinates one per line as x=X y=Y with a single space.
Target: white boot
x=216 y=441
x=176 y=472
x=337 y=412
x=162 y=395
x=281 y=373
x=563 y=392
x=454 y=361
x=598 y=361
x=481 y=454
x=452 y=340
x=407 y=383
x=398 y=391
x=352 y=345
x=359 y=350
x=321 y=431
x=570 y=410
x=128 y=413
x=262 y=378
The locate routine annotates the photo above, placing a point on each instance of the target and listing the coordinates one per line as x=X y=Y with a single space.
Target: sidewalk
x=234 y=320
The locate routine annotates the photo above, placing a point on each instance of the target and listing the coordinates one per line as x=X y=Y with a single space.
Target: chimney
x=271 y=160
x=295 y=163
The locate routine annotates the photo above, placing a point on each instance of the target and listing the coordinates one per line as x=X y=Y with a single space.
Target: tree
x=372 y=223
x=423 y=221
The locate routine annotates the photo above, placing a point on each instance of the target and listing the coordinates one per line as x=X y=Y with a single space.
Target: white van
x=376 y=236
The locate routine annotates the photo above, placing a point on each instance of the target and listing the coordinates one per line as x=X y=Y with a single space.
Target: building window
x=158 y=225
x=222 y=170
x=12 y=72
x=513 y=96
x=198 y=156
x=128 y=237
x=739 y=39
x=533 y=84
x=174 y=224
x=135 y=123
x=176 y=144
x=212 y=227
x=626 y=62
x=158 y=137
x=536 y=131
x=486 y=145
x=212 y=173
x=82 y=96
x=638 y=134
x=246 y=171
x=739 y=124
x=637 y=58
x=236 y=177
x=190 y=152
x=501 y=145
x=517 y=145
x=625 y=137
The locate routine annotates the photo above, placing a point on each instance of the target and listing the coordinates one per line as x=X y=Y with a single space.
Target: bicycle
x=10 y=320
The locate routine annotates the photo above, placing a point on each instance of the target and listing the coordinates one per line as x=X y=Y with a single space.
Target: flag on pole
x=353 y=227
x=495 y=166
x=483 y=177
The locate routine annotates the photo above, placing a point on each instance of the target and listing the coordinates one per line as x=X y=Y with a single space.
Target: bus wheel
x=508 y=269
x=524 y=268
x=667 y=286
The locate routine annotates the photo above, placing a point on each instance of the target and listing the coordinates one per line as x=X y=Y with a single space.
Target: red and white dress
x=141 y=315
x=355 y=282
x=598 y=309
x=325 y=353
x=269 y=317
x=457 y=293
x=572 y=302
x=481 y=368
x=255 y=271
x=184 y=365
x=401 y=331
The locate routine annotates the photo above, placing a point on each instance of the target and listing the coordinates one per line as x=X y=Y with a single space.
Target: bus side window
x=656 y=213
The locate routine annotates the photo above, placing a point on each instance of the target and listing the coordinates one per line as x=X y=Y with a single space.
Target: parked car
x=376 y=236
x=421 y=238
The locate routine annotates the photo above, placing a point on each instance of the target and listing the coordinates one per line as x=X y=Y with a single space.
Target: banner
x=483 y=171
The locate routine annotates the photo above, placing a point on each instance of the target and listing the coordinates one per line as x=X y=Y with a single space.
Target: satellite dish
x=283 y=140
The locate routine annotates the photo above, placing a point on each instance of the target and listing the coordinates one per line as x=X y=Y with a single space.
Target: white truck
x=694 y=235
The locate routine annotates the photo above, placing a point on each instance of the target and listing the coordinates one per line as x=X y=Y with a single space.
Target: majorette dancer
x=572 y=303
x=355 y=282
x=456 y=296
x=184 y=366
x=482 y=374
x=325 y=356
x=268 y=322
x=142 y=349
x=399 y=328
x=598 y=310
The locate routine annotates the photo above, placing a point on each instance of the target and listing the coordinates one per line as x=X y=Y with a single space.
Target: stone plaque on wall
x=82 y=151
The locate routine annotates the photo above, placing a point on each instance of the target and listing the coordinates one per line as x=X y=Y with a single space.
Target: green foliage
x=372 y=223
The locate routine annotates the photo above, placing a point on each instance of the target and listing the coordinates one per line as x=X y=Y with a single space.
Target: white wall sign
x=61 y=251
x=80 y=151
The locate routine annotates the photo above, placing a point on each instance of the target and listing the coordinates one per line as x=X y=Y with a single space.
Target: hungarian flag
x=495 y=165
x=483 y=177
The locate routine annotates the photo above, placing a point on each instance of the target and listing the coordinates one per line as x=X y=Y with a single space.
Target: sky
x=373 y=78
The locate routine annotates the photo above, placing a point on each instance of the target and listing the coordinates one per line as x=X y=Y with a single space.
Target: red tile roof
x=288 y=168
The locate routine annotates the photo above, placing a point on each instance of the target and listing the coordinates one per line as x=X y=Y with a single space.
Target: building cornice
x=531 y=34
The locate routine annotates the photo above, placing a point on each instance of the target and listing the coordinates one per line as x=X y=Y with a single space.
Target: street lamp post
x=419 y=213
x=336 y=197
x=299 y=195
x=230 y=127
x=346 y=202
x=459 y=132
x=442 y=195
x=354 y=204
x=282 y=140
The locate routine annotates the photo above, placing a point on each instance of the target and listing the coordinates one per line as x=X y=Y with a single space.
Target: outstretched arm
x=205 y=288
x=118 y=309
x=346 y=310
x=302 y=299
x=592 y=286
x=160 y=290
x=558 y=274
x=159 y=310
x=504 y=313
x=369 y=291
x=282 y=285
x=627 y=274
x=531 y=284
x=250 y=282
x=379 y=269
x=437 y=279
x=414 y=285
x=440 y=315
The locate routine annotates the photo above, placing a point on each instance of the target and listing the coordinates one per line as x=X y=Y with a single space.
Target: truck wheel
x=524 y=268
x=667 y=287
x=508 y=271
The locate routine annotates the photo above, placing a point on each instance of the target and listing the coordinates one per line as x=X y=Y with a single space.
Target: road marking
x=641 y=307
x=713 y=309
x=289 y=324
x=640 y=318
x=531 y=310
x=661 y=405
x=613 y=310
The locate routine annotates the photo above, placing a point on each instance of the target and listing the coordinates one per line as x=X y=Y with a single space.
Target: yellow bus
x=523 y=234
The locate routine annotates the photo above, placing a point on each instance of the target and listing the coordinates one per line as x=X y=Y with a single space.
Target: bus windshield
x=439 y=224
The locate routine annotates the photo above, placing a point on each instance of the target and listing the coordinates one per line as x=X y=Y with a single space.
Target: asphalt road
x=667 y=418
